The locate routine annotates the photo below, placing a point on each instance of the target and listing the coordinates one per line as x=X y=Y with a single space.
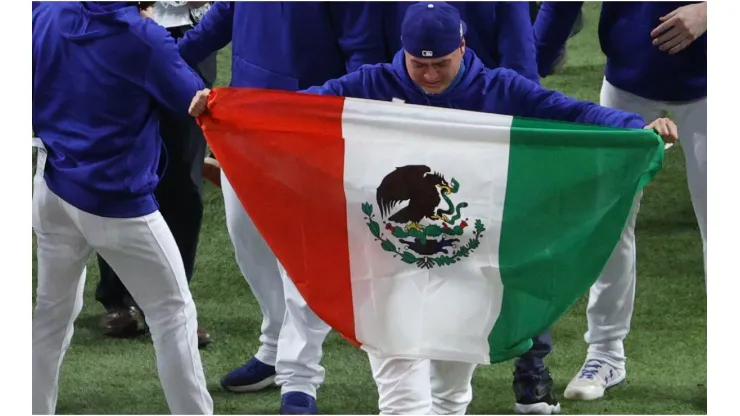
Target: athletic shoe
x=593 y=380
x=252 y=376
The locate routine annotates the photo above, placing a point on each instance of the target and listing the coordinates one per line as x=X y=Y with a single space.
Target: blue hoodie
x=498 y=91
x=99 y=72
x=500 y=33
x=288 y=45
x=633 y=63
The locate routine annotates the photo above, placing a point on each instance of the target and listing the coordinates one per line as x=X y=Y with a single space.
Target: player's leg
x=62 y=254
x=532 y=380
x=179 y=192
x=144 y=254
x=691 y=119
x=299 y=370
x=260 y=269
x=404 y=385
x=451 y=387
x=609 y=314
x=611 y=298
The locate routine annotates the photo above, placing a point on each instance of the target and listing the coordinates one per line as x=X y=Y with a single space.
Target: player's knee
x=405 y=401
x=451 y=404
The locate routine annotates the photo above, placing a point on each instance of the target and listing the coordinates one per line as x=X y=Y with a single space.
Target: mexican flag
x=428 y=232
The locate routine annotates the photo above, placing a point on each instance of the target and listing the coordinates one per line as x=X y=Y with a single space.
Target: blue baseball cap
x=432 y=29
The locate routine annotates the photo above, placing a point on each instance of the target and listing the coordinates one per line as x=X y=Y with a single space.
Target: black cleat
x=534 y=394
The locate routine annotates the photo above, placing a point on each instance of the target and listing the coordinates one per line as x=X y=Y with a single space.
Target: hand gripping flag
x=426 y=232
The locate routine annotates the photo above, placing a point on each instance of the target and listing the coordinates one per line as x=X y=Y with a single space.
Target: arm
x=170 y=81
x=358 y=28
x=528 y=99
x=552 y=27
x=209 y=35
x=349 y=85
x=516 y=39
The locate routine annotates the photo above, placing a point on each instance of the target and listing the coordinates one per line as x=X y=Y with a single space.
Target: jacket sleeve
x=552 y=27
x=516 y=39
x=349 y=85
x=212 y=33
x=358 y=26
x=527 y=99
x=169 y=80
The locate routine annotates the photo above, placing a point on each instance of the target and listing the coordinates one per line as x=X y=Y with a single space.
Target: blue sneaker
x=252 y=376
x=297 y=403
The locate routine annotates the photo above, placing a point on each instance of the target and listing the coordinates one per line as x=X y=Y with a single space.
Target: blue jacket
x=633 y=64
x=99 y=71
x=288 y=45
x=500 y=33
x=498 y=91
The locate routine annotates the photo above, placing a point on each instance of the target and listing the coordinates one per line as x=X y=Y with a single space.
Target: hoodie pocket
x=249 y=75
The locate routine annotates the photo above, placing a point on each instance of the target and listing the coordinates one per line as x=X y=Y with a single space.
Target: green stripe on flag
x=570 y=189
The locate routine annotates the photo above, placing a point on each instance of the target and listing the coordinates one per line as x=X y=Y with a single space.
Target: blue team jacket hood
x=101 y=77
x=99 y=19
x=473 y=68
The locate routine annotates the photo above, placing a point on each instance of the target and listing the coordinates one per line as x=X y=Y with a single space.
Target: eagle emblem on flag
x=423 y=232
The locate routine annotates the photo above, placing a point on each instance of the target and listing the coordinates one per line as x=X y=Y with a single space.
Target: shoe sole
x=268 y=382
x=585 y=397
x=537 y=409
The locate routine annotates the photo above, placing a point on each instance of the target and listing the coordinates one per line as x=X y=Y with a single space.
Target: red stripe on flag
x=283 y=154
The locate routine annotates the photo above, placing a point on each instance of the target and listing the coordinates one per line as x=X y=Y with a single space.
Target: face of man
x=434 y=75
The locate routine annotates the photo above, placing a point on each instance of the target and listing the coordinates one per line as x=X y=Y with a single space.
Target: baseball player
x=454 y=77
x=178 y=193
x=284 y=46
x=501 y=35
x=656 y=65
x=99 y=69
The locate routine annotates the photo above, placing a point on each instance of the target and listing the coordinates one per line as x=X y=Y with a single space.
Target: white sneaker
x=594 y=378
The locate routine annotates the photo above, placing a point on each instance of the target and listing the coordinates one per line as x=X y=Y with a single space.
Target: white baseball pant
x=291 y=334
x=611 y=298
x=422 y=387
x=144 y=254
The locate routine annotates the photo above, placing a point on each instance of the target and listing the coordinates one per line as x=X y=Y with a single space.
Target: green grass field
x=667 y=367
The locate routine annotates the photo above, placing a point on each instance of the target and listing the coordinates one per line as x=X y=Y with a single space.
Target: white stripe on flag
x=403 y=309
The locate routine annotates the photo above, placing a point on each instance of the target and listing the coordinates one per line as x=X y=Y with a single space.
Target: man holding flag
x=433 y=69
x=282 y=46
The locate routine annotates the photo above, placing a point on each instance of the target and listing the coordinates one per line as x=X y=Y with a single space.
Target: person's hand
x=666 y=128
x=199 y=105
x=680 y=27
x=147 y=13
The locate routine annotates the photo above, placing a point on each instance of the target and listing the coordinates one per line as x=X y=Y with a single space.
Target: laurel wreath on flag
x=424 y=262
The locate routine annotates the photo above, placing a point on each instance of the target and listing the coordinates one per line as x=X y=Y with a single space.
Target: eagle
x=416 y=184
